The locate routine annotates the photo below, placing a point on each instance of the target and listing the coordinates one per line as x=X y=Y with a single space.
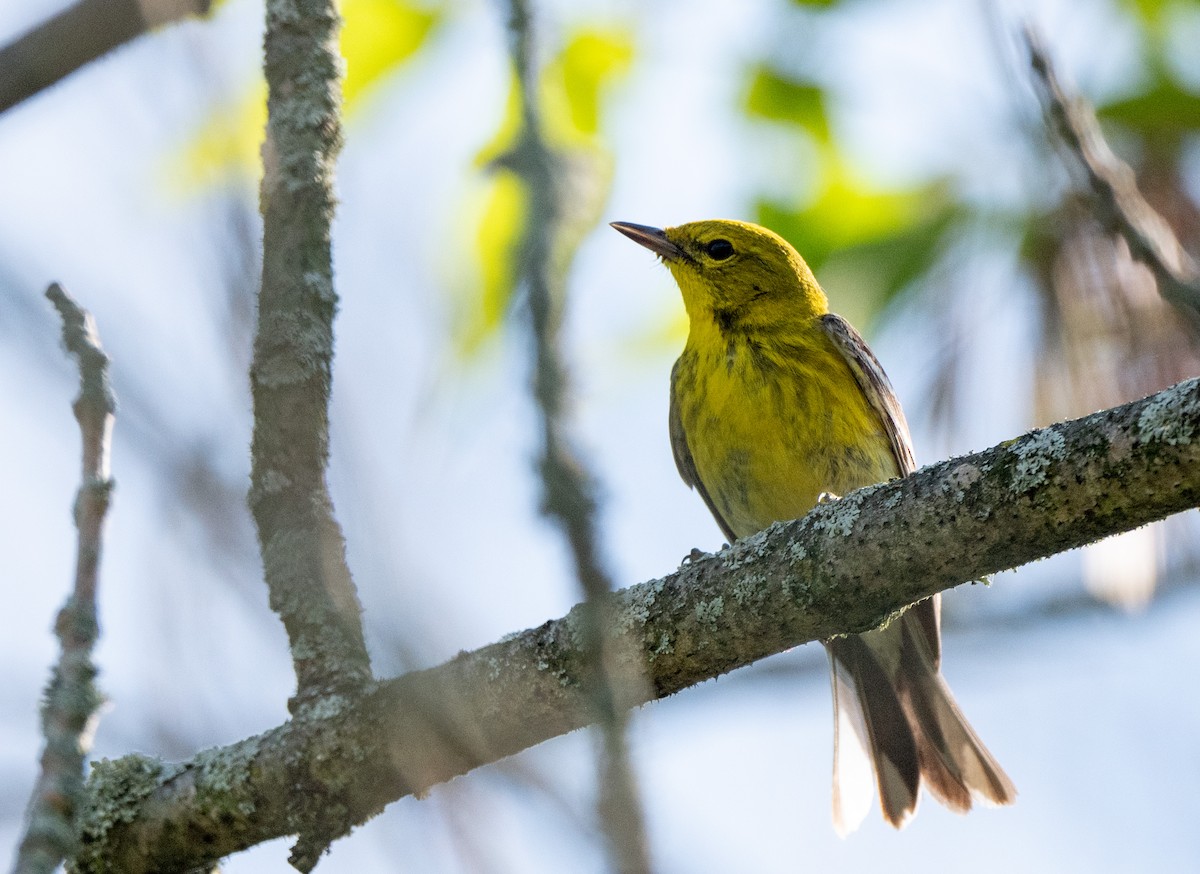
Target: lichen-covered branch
x=567 y=486
x=844 y=567
x=1121 y=208
x=303 y=550
x=72 y=698
x=77 y=36
x=302 y=546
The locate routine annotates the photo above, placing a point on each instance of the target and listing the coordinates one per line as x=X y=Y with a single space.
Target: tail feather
x=853 y=776
x=893 y=708
x=888 y=737
x=954 y=761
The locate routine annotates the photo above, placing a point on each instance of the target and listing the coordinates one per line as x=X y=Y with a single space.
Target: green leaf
x=1149 y=11
x=571 y=89
x=884 y=239
x=777 y=98
x=1165 y=109
x=502 y=217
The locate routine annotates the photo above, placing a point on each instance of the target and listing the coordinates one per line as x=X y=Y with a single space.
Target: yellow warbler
x=775 y=401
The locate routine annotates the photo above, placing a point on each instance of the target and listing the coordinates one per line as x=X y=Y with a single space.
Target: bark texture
x=846 y=566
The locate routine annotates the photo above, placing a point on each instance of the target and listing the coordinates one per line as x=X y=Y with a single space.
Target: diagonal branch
x=72 y=698
x=844 y=567
x=79 y=35
x=1121 y=207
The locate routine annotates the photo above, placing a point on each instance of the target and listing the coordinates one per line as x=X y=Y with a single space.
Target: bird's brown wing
x=683 y=456
x=877 y=389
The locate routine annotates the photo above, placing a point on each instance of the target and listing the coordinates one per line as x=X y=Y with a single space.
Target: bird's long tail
x=895 y=715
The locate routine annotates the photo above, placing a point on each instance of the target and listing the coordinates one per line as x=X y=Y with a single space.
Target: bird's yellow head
x=734 y=274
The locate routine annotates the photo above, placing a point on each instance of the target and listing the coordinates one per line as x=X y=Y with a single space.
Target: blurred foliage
x=775 y=97
x=883 y=239
x=882 y=243
x=1107 y=335
x=1104 y=334
x=1148 y=13
x=378 y=37
x=572 y=86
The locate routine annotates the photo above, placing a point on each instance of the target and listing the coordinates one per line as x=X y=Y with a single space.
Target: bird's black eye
x=719 y=250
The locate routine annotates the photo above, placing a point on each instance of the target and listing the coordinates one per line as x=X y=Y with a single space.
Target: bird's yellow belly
x=767 y=442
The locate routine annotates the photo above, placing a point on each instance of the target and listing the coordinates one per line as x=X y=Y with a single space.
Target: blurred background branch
x=77 y=36
x=72 y=700
x=555 y=208
x=1119 y=204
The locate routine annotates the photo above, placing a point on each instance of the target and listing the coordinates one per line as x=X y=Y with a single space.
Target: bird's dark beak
x=654 y=239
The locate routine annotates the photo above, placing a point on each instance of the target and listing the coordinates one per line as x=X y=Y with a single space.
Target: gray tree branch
x=844 y=567
x=303 y=549
x=77 y=36
x=72 y=698
x=302 y=545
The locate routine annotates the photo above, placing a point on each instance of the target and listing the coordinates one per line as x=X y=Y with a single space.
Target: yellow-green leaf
x=501 y=223
x=377 y=37
x=591 y=60
x=228 y=144
x=777 y=98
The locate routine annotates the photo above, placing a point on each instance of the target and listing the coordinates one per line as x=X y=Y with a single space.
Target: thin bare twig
x=72 y=698
x=1121 y=208
x=77 y=36
x=567 y=486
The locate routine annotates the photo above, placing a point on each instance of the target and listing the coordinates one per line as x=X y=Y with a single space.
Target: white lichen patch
x=748 y=588
x=747 y=551
x=795 y=552
x=664 y=647
x=326 y=707
x=492 y=668
x=637 y=607
x=838 y=516
x=709 y=612
x=1035 y=454
x=275 y=481
x=320 y=283
x=961 y=478
x=1160 y=420
x=571 y=626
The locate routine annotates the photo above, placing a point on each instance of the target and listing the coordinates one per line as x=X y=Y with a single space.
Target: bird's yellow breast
x=773 y=423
